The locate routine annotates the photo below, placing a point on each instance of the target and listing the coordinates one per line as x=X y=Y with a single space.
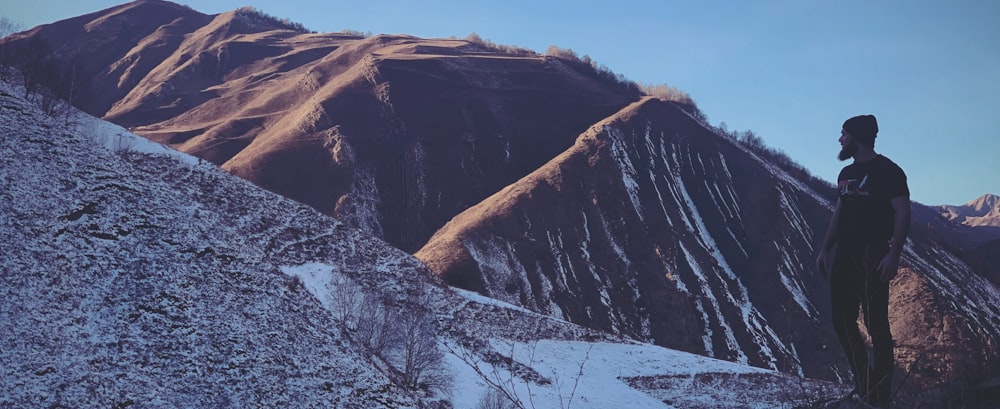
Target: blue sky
x=791 y=70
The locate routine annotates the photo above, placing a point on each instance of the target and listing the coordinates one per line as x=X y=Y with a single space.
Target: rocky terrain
x=137 y=276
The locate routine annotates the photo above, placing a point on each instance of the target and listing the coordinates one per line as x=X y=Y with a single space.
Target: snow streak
x=790 y=209
x=789 y=275
x=980 y=296
x=628 y=170
x=754 y=322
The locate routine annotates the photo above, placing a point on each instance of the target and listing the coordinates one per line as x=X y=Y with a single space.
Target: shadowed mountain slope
x=654 y=227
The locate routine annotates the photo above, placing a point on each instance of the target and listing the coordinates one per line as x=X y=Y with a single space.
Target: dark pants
x=856 y=283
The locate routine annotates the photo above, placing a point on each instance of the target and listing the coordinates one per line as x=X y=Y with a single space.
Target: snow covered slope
x=139 y=277
x=144 y=279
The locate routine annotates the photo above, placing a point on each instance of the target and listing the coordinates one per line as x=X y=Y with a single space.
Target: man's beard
x=848 y=151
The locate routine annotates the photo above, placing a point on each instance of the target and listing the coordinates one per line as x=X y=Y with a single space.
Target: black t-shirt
x=866 y=191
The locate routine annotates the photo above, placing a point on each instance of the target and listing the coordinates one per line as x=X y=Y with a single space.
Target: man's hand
x=888 y=267
x=900 y=228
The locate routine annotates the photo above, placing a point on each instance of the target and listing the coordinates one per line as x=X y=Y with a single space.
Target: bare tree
x=344 y=300
x=374 y=326
x=494 y=399
x=31 y=62
x=666 y=92
x=123 y=144
x=7 y=27
x=497 y=384
x=403 y=338
x=417 y=355
x=505 y=385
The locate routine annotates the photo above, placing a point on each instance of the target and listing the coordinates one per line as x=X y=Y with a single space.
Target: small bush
x=667 y=92
x=474 y=38
x=494 y=399
x=258 y=18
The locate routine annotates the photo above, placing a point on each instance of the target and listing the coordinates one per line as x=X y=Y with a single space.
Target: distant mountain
x=537 y=180
x=983 y=211
x=979 y=221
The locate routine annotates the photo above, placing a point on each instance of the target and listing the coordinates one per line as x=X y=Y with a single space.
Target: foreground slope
x=654 y=227
x=139 y=277
x=153 y=282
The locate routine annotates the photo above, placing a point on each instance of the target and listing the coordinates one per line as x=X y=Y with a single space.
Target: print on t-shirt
x=854 y=187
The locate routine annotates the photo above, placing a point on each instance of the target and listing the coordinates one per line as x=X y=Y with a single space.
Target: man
x=861 y=252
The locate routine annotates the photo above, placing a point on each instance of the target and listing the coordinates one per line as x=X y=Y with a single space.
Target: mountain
x=983 y=211
x=654 y=227
x=394 y=134
x=979 y=240
x=138 y=276
x=536 y=180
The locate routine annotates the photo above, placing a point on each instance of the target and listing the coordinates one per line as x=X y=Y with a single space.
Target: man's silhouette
x=861 y=252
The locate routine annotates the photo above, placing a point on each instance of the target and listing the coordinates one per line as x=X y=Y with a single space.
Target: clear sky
x=790 y=70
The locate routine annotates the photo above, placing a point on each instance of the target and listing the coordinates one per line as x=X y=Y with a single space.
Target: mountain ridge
x=607 y=205
x=384 y=125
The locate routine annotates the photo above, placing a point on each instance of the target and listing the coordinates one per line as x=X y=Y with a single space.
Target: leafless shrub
x=373 y=326
x=666 y=92
x=417 y=355
x=258 y=18
x=474 y=38
x=504 y=385
x=496 y=383
x=405 y=340
x=566 y=53
x=123 y=145
x=344 y=300
x=363 y=315
x=356 y=33
x=7 y=27
x=576 y=382
x=494 y=399
x=30 y=64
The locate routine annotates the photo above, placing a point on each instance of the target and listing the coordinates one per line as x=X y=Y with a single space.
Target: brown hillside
x=394 y=134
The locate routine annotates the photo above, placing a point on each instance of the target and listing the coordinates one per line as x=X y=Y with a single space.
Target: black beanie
x=863 y=128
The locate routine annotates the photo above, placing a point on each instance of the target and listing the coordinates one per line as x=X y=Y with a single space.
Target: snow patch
x=628 y=171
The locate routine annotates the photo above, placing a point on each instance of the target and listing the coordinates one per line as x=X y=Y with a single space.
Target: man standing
x=861 y=251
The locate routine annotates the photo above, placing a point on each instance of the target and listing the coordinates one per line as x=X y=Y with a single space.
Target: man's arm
x=900 y=229
x=822 y=261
